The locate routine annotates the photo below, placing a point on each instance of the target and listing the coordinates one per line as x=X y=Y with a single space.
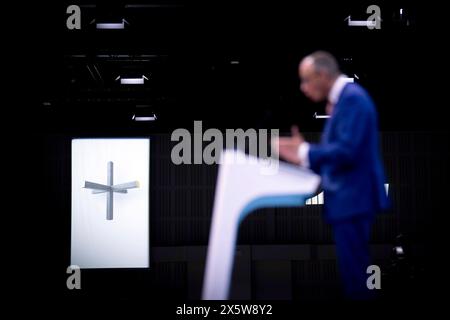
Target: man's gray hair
x=324 y=62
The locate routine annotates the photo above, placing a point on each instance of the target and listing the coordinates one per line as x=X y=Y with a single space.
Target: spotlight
x=150 y=117
x=399 y=251
x=137 y=80
x=320 y=116
x=111 y=25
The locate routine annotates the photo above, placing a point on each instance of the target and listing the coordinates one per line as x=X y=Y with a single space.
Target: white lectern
x=244 y=184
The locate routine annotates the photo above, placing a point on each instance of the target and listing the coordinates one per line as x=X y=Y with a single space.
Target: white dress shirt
x=333 y=97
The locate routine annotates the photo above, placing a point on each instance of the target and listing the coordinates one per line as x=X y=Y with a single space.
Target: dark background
x=190 y=50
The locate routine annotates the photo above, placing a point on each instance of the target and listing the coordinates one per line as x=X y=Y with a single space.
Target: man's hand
x=288 y=146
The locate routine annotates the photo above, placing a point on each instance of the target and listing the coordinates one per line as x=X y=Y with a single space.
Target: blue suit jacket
x=348 y=158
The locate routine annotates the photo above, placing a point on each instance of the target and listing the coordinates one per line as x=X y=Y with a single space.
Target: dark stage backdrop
x=282 y=253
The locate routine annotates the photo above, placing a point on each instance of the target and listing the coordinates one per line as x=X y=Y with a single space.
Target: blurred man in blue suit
x=348 y=161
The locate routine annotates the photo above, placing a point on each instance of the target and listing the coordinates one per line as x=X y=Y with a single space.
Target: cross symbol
x=110 y=188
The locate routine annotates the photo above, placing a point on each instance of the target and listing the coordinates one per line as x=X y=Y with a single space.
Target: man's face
x=312 y=83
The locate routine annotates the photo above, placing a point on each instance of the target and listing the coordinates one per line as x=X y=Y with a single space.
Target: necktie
x=329 y=108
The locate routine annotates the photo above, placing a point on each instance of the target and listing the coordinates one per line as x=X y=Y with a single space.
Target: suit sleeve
x=349 y=135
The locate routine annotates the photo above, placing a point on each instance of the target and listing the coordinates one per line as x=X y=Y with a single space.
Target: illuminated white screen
x=123 y=240
x=319 y=199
